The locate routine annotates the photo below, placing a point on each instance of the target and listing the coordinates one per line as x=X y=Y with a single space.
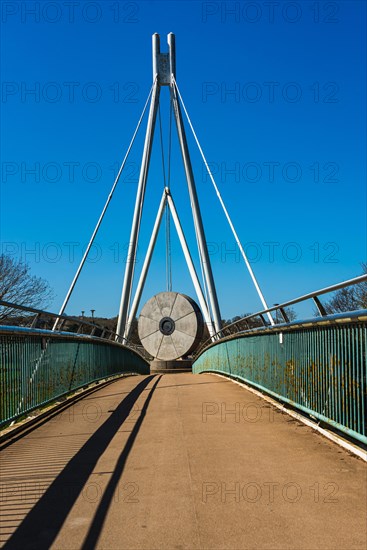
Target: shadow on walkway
x=41 y=526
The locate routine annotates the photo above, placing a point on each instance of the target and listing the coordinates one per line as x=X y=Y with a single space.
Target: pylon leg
x=135 y=228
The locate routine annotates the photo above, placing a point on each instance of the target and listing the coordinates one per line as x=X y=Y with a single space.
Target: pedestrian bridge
x=186 y=460
x=239 y=452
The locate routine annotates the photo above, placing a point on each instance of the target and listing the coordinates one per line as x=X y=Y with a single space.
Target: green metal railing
x=259 y=318
x=39 y=366
x=11 y=313
x=318 y=366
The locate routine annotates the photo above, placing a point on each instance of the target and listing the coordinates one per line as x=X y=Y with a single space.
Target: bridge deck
x=159 y=462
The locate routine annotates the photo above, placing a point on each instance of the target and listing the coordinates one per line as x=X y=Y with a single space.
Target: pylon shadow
x=43 y=523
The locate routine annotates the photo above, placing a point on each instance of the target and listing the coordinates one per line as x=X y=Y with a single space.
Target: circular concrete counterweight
x=170 y=326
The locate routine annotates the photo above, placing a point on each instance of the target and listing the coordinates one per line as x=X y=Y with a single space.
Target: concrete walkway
x=179 y=461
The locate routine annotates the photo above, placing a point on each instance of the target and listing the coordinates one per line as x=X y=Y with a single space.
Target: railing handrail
x=49 y=333
x=311 y=295
x=94 y=326
x=326 y=290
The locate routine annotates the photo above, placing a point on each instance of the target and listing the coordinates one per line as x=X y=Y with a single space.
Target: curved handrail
x=106 y=334
x=226 y=331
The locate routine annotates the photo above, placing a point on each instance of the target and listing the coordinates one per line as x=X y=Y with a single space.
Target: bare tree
x=18 y=286
x=254 y=322
x=349 y=298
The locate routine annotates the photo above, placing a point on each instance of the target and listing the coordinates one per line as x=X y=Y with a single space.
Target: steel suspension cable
x=168 y=251
x=162 y=147
x=169 y=144
x=168 y=266
x=260 y=294
x=168 y=212
x=87 y=250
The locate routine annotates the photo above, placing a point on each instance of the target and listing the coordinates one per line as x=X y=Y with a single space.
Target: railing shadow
x=43 y=523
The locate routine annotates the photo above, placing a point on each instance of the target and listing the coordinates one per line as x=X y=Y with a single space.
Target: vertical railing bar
x=343 y=377
x=360 y=405
x=362 y=392
x=312 y=369
x=308 y=369
x=321 y=371
x=324 y=363
x=356 y=348
x=339 y=358
x=348 y=376
x=341 y=363
x=358 y=362
x=333 y=409
x=336 y=373
x=352 y=389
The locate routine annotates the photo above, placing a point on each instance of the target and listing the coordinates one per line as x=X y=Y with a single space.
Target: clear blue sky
x=276 y=94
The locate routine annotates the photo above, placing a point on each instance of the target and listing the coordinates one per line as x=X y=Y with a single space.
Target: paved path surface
x=180 y=461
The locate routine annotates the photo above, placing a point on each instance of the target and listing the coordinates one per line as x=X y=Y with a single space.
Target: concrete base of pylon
x=178 y=365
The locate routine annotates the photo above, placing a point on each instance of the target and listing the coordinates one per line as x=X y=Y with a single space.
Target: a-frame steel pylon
x=164 y=74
